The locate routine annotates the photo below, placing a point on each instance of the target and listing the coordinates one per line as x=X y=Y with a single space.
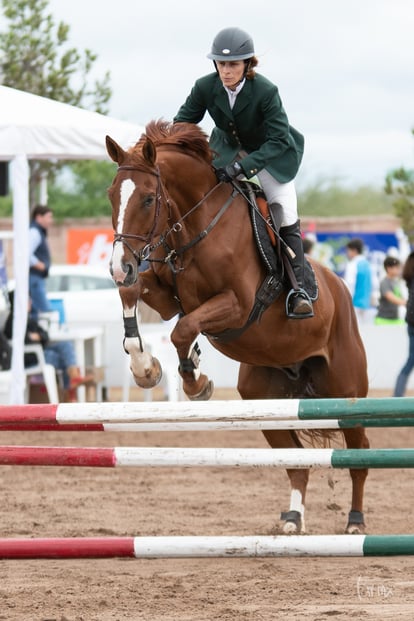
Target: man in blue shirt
x=42 y=218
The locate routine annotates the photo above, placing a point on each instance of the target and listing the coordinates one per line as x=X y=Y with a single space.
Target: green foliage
x=79 y=191
x=399 y=185
x=324 y=200
x=6 y=206
x=82 y=194
x=35 y=57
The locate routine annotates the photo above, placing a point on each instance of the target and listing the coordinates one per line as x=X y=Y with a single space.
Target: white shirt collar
x=232 y=94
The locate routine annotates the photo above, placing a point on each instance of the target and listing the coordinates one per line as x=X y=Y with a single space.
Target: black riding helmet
x=232 y=44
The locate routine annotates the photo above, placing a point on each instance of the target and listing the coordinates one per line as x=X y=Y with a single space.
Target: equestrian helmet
x=232 y=44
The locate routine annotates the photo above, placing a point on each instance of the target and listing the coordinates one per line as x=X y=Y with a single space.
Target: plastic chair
x=5 y=385
x=48 y=372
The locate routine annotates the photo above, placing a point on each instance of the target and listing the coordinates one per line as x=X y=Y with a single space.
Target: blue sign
x=3 y=272
x=331 y=248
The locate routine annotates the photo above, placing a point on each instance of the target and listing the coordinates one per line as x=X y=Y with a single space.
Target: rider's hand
x=230 y=172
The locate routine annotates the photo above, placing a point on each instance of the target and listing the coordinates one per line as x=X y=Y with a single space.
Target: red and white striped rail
x=203 y=547
x=182 y=456
x=187 y=415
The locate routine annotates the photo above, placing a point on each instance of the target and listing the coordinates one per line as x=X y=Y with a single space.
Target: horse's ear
x=115 y=152
x=149 y=151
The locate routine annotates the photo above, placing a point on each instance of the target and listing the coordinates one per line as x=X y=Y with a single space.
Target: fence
x=260 y=414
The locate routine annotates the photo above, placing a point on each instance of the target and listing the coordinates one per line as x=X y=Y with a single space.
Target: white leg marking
x=296 y=504
x=296 y=501
x=139 y=361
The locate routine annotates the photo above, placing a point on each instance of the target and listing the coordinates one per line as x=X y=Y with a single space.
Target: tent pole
x=20 y=188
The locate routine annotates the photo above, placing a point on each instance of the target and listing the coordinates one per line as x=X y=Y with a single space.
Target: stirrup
x=289 y=304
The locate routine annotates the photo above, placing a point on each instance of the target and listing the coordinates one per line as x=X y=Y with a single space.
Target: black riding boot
x=298 y=303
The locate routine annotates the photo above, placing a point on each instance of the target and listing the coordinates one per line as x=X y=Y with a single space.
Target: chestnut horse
x=168 y=209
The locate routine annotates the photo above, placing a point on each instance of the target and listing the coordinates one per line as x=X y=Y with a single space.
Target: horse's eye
x=148 y=201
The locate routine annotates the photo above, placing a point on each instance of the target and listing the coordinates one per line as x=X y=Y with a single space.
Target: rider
x=252 y=136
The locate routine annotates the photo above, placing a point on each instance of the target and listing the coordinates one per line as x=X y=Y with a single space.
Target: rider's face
x=230 y=72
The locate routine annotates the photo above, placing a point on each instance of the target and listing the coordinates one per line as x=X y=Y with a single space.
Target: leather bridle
x=171 y=253
x=144 y=253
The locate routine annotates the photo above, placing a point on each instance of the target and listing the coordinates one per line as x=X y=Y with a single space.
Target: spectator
x=60 y=355
x=408 y=276
x=42 y=218
x=391 y=297
x=358 y=278
x=308 y=245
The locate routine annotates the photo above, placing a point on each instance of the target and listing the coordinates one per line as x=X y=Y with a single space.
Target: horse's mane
x=185 y=137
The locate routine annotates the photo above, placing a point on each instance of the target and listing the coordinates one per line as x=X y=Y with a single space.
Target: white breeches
x=282 y=193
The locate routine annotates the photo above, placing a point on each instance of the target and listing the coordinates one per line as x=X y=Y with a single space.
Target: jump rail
x=202 y=547
x=228 y=425
x=265 y=414
x=98 y=416
x=184 y=457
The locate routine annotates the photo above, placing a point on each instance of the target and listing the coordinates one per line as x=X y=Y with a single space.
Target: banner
x=89 y=246
x=331 y=248
x=3 y=272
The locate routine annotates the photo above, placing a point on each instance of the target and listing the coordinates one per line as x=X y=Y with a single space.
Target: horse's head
x=140 y=204
x=136 y=196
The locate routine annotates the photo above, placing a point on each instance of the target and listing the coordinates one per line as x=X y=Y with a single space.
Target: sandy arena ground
x=61 y=502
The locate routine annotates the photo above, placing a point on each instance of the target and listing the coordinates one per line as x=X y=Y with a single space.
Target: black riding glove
x=230 y=172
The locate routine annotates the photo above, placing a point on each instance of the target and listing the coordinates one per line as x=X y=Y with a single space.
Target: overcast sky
x=345 y=70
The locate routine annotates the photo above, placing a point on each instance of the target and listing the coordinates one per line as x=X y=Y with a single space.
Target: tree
x=35 y=57
x=85 y=192
x=400 y=185
x=326 y=199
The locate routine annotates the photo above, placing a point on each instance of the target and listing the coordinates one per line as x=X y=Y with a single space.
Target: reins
x=268 y=290
x=178 y=252
x=171 y=253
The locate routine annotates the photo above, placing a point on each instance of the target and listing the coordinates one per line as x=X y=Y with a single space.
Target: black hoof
x=356 y=523
x=292 y=517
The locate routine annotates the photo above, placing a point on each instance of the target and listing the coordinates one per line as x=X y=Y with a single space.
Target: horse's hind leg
x=267 y=383
x=294 y=518
x=356 y=438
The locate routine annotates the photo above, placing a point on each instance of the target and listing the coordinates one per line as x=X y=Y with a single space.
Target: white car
x=88 y=293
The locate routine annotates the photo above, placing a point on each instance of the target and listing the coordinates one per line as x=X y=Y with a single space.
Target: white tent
x=33 y=127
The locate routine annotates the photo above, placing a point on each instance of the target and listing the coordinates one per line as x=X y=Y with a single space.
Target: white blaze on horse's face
x=126 y=191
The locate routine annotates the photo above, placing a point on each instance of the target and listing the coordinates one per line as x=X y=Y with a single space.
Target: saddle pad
x=269 y=256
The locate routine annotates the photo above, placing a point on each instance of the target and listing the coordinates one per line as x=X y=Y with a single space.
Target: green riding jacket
x=258 y=124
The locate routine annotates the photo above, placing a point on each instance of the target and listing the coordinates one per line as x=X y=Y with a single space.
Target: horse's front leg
x=213 y=316
x=145 y=369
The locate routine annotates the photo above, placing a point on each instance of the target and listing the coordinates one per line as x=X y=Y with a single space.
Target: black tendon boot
x=298 y=303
